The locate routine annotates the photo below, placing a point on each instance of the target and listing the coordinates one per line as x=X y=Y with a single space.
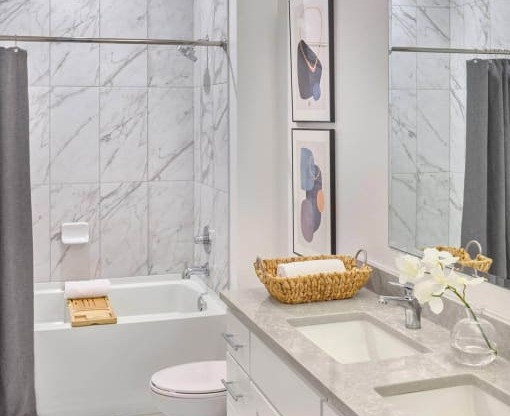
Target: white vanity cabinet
x=261 y=384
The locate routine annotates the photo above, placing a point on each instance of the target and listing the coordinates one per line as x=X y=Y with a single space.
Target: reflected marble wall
x=114 y=134
x=428 y=113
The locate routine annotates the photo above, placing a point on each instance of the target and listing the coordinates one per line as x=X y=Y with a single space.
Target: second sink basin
x=455 y=396
x=355 y=338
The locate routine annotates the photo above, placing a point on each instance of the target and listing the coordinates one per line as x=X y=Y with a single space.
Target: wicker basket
x=480 y=262
x=316 y=287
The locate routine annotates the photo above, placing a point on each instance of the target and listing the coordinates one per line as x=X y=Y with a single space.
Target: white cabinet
x=260 y=383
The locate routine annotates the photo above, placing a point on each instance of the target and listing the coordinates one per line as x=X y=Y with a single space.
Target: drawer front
x=286 y=390
x=327 y=410
x=260 y=404
x=237 y=338
x=239 y=395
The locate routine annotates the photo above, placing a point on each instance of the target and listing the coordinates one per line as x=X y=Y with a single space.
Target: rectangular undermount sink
x=355 y=338
x=464 y=395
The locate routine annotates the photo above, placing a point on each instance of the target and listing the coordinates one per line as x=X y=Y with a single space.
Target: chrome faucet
x=200 y=270
x=410 y=303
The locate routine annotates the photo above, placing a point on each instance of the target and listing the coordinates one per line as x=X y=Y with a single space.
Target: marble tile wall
x=113 y=133
x=211 y=145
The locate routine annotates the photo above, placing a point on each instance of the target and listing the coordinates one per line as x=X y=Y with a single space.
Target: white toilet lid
x=192 y=378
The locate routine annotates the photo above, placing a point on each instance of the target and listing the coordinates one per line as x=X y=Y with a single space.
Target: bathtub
x=104 y=370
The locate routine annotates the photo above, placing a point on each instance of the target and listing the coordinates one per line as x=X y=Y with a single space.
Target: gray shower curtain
x=487 y=178
x=17 y=395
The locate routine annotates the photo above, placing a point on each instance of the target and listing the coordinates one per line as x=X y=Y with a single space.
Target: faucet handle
x=408 y=287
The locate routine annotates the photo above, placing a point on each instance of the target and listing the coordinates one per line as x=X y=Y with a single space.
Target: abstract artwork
x=313 y=191
x=311 y=45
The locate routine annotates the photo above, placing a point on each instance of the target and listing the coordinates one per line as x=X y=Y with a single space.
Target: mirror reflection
x=450 y=129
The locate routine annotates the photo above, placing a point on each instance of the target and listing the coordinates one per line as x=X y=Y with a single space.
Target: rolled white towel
x=86 y=289
x=300 y=268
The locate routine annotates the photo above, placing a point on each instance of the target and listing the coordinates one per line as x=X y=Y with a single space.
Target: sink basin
x=355 y=338
x=455 y=396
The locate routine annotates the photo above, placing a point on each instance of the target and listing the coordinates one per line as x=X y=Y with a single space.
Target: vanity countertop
x=351 y=387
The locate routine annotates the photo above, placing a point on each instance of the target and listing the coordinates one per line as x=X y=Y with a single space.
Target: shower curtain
x=17 y=395
x=487 y=178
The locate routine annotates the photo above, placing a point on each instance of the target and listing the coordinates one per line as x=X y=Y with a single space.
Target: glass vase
x=474 y=340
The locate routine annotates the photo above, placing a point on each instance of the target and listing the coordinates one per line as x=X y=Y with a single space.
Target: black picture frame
x=313 y=204
x=312 y=60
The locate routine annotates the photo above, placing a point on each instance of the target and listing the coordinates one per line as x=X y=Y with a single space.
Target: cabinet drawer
x=260 y=404
x=286 y=390
x=237 y=338
x=239 y=395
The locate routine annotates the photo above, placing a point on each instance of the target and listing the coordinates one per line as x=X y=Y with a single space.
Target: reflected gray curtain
x=487 y=179
x=17 y=396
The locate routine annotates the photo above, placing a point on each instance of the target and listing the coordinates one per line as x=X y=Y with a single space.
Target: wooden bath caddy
x=91 y=311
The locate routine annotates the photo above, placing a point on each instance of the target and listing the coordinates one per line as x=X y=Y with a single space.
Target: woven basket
x=480 y=262
x=316 y=287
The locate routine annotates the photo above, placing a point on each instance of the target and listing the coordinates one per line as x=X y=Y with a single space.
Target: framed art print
x=311 y=46
x=313 y=192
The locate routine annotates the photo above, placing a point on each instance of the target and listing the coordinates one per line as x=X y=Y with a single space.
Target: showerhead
x=188 y=52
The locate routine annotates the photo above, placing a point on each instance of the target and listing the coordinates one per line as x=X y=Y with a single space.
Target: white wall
x=261 y=200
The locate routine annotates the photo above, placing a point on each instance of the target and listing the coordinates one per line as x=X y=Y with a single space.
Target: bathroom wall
x=211 y=170
x=114 y=135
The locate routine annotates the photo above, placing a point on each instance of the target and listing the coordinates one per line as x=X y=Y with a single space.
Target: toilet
x=192 y=389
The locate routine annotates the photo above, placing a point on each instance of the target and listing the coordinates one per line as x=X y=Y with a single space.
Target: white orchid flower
x=464 y=280
x=428 y=291
x=409 y=268
x=432 y=257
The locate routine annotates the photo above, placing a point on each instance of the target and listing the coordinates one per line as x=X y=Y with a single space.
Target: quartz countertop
x=351 y=387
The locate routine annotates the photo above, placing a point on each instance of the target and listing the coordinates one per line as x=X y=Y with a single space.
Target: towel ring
x=365 y=256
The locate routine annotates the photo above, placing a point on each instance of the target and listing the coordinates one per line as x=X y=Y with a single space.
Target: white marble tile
x=458 y=131
x=458 y=71
x=206 y=138
x=170 y=19
x=75 y=18
x=123 y=18
x=433 y=27
x=220 y=19
x=39 y=107
x=74 y=65
x=433 y=71
x=404 y=2
x=500 y=16
x=456 y=205
x=219 y=271
x=221 y=136
x=170 y=134
x=457 y=26
x=22 y=17
x=74 y=135
x=123 y=65
x=124 y=229
x=38 y=57
x=431 y=3
x=403 y=131
x=221 y=67
x=477 y=25
x=403 y=71
x=41 y=232
x=123 y=134
x=403 y=26
x=433 y=206
x=402 y=212
x=204 y=216
x=169 y=68
x=433 y=121
x=171 y=226
x=74 y=203
x=204 y=18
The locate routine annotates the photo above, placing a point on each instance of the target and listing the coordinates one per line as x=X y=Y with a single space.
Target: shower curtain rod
x=124 y=41
x=451 y=50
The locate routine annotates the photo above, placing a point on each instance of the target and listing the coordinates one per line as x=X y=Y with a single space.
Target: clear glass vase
x=474 y=340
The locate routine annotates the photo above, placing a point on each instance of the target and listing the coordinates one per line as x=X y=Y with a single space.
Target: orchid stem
x=475 y=318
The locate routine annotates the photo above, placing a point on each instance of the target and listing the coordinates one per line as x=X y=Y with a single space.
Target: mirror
x=450 y=128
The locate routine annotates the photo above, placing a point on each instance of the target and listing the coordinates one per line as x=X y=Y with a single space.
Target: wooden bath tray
x=91 y=311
